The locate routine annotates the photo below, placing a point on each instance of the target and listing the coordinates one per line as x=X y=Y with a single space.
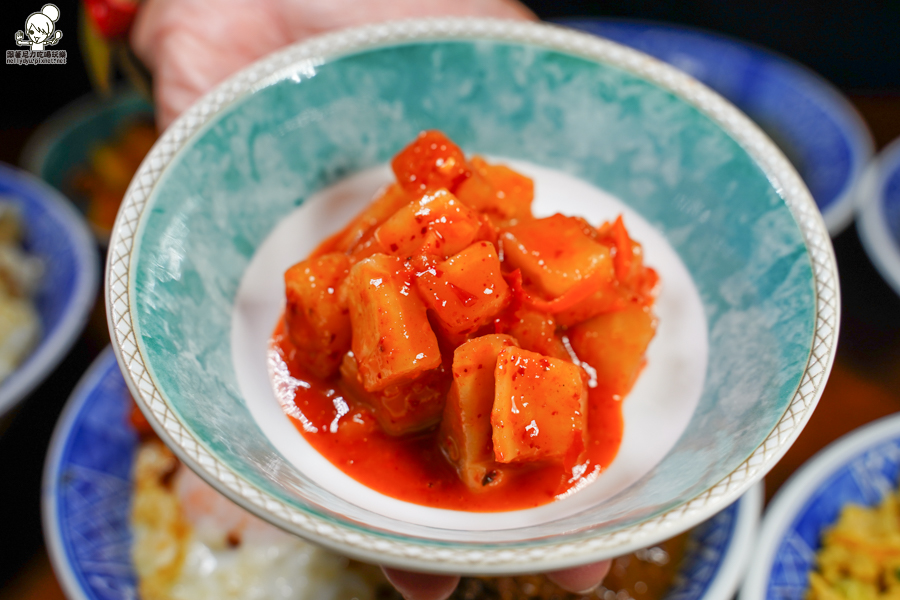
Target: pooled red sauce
x=413 y=468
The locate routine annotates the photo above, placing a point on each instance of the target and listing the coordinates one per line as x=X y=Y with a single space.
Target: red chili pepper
x=624 y=252
x=514 y=281
x=112 y=18
x=584 y=289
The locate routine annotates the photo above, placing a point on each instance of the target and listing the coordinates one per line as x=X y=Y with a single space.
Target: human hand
x=191 y=45
x=422 y=586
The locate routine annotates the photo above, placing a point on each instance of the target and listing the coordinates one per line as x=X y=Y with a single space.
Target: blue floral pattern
x=706 y=550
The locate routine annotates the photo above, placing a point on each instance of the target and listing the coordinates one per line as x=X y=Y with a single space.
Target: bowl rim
x=731 y=566
x=839 y=214
x=796 y=492
x=880 y=245
x=419 y=553
x=51 y=349
x=53 y=539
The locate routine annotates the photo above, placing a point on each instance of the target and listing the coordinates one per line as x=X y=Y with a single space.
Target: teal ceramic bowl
x=256 y=173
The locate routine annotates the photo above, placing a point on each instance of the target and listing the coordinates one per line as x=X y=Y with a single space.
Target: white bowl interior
x=656 y=412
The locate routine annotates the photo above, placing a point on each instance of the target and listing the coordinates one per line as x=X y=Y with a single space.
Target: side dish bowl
x=63 y=145
x=810 y=120
x=879 y=214
x=250 y=178
x=58 y=236
x=89 y=489
x=859 y=468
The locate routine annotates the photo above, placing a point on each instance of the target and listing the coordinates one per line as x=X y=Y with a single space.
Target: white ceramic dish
x=658 y=408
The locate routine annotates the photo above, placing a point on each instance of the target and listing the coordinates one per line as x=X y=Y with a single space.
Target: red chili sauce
x=413 y=468
x=446 y=270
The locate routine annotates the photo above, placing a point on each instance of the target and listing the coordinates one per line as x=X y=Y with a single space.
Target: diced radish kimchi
x=450 y=349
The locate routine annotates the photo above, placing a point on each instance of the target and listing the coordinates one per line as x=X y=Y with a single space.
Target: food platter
x=61 y=151
x=657 y=410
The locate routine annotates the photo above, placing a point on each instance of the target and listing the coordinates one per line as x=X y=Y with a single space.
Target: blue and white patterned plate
x=815 y=126
x=879 y=218
x=58 y=235
x=860 y=468
x=87 y=487
x=87 y=502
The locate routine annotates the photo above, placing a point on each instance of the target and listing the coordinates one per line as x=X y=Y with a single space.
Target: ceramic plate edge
x=848 y=119
x=416 y=553
x=34 y=153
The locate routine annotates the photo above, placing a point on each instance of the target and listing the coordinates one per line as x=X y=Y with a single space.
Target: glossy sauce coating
x=449 y=348
x=413 y=468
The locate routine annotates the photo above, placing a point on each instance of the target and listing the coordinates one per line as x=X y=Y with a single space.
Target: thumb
x=581 y=580
x=421 y=586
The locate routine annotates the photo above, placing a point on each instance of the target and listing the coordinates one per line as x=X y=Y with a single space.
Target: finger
x=192 y=45
x=421 y=586
x=148 y=23
x=304 y=18
x=581 y=580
